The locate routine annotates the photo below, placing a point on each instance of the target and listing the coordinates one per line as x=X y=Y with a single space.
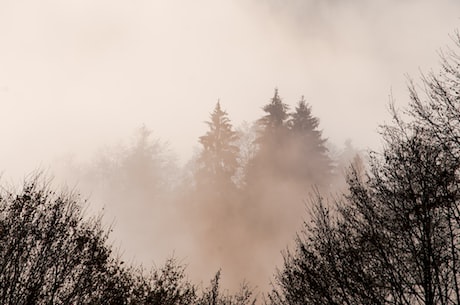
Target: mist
x=79 y=77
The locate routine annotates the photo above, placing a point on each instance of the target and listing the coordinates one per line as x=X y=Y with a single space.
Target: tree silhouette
x=394 y=237
x=277 y=114
x=213 y=295
x=145 y=166
x=272 y=131
x=437 y=107
x=290 y=146
x=51 y=253
x=48 y=253
x=308 y=160
x=392 y=240
x=218 y=160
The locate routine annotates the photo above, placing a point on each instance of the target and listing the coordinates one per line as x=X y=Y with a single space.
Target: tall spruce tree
x=290 y=146
x=218 y=160
x=308 y=156
x=272 y=132
x=276 y=117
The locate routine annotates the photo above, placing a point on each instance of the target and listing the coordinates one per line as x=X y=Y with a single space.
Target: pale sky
x=76 y=75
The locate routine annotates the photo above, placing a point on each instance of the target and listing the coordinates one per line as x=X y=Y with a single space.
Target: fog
x=78 y=76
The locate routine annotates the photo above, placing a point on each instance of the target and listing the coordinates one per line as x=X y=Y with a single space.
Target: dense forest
x=386 y=233
x=244 y=184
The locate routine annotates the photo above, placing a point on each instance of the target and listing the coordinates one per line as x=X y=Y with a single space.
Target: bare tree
x=48 y=253
x=213 y=295
x=394 y=238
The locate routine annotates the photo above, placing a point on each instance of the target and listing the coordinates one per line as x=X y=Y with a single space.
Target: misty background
x=80 y=79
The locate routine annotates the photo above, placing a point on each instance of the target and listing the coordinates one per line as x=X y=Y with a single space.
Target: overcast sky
x=79 y=74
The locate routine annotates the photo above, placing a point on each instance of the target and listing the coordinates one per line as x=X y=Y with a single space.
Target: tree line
x=392 y=237
x=250 y=179
x=51 y=253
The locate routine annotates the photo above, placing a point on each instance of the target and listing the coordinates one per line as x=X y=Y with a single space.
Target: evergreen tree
x=308 y=159
x=302 y=121
x=218 y=161
x=290 y=146
x=276 y=117
x=212 y=203
x=272 y=132
x=145 y=164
